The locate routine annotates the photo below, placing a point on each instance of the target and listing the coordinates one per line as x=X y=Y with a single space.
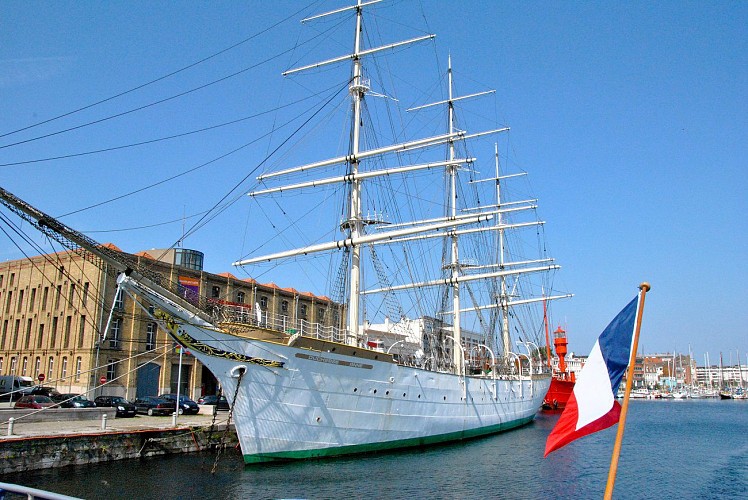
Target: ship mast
x=504 y=296
x=354 y=224
x=457 y=355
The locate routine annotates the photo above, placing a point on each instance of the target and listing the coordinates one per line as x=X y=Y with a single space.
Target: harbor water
x=687 y=448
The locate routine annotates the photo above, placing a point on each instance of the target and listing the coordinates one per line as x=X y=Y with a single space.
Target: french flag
x=592 y=405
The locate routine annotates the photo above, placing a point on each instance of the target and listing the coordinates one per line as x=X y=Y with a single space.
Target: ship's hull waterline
x=298 y=403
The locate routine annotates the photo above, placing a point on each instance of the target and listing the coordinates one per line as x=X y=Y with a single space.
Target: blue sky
x=631 y=118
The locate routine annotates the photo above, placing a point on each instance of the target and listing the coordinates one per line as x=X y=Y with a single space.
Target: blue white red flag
x=592 y=405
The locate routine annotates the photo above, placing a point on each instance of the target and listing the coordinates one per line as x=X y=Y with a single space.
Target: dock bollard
x=174 y=419
x=103 y=422
x=11 y=421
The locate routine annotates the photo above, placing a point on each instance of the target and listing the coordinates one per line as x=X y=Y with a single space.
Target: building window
x=12 y=279
x=114 y=333
x=66 y=337
x=5 y=336
x=13 y=365
x=78 y=367
x=240 y=297
x=20 y=300
x=24 y=366
x=150 y=336
x=51 y=367
x=263 y=302
x=45 y=296
x=53 y=337
x=1 y=358
x=82 y=330
x=284 y=307
x=28 y=334
x=15 y=333
x=111 y=369
x=215 y=292
x=32 y=299
x=119 y=300
x=2 y=277
x=8 y=301
x=191 y=259
x=57 y=296
x=64 y=367
x=37 y=366
x=84 y=299
x=302 y=310
x=320 y=314
x=40 y=337
x=71 y=294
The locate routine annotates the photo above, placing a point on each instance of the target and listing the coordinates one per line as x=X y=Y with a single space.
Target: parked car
x=151 y=405
x=123 y=407
x=13 y=387
x=73 y=401
x=37 y=402
x=41 y=390
x=220 y=402
x=186 y=405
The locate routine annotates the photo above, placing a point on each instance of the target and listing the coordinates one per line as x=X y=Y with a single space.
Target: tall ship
x=438 y=335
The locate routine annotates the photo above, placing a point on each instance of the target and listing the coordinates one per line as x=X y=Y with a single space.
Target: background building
x=54 y=312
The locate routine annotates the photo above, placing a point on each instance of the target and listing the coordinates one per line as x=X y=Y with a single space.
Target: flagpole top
x=645 y=287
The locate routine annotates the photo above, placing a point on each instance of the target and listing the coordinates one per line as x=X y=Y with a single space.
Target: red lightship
x=562 y=383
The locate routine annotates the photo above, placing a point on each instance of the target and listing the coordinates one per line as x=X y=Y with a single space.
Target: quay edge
x=23 y=453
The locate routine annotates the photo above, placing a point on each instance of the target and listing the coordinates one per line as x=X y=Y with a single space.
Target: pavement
x=113 y=425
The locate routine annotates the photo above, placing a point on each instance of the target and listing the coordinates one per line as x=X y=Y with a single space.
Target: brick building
x=54 y=311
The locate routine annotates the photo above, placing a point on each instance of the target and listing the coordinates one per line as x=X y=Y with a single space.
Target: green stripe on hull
x=387 y=445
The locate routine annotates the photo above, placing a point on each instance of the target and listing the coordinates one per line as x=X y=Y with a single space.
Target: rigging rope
x=291 y=16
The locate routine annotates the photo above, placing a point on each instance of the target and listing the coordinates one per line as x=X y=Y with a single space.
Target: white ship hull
x=295 y=403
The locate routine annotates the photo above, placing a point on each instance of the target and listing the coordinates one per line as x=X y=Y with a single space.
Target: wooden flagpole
x=644 y=288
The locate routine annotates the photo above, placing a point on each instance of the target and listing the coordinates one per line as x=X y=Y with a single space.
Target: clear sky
x=631 y=117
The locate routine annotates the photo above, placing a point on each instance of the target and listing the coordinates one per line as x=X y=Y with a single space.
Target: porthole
x=387 y=393
x=419 y=396
x=375 y=391
x=355 y=389
x=445 y=398
x=319 y=419
x=403 y=394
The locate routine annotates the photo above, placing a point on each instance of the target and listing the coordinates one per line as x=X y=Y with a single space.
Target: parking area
x=23 y=428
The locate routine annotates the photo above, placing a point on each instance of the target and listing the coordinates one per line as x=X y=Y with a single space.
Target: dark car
x=221 y=402
x=73 y=401
x=123 y=407
x=41 y=390
x=36 y=402
x=186 y=405
x=151 y=405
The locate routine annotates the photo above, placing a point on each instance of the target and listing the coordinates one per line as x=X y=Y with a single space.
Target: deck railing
x=239 y=313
